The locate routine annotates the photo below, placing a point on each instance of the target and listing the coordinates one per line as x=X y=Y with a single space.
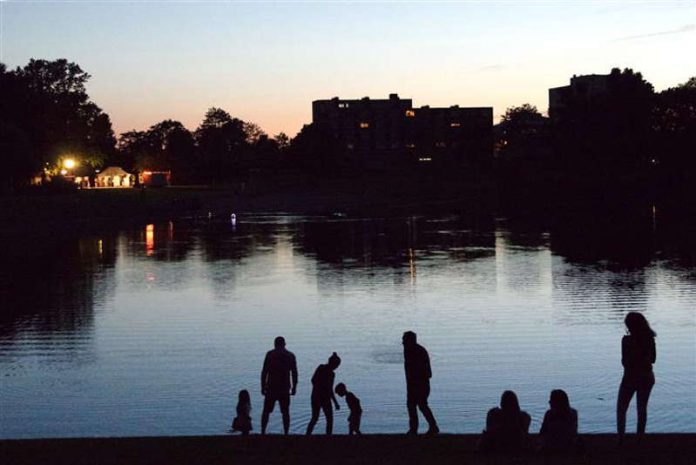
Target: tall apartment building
x=390 y=133
x=587 y=89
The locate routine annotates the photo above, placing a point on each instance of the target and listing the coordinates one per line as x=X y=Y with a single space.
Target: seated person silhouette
x=242 y=422
x=506 y=426
x=354 y=406
x=559 y=430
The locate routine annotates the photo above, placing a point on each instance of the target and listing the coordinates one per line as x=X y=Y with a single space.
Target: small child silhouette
x=242 y=422
x=354 y=406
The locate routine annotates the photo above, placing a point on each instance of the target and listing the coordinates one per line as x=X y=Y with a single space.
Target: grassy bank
x=363 y=196
x=656 y=449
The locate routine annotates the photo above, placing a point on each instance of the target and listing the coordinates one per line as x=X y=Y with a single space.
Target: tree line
x=46 y=115
x=627 y=138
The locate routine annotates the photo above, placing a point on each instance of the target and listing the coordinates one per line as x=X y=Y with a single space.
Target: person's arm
x=526 y=421
x=575 y=422
x=264 y=376
x=427 y=364
x=293 y=369
x=624 y=351
x=491 y=420
x=333 y=395
x=544 y=424
x=654 y=350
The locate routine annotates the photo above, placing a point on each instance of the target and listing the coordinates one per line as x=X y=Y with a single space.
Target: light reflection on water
x=154 y=331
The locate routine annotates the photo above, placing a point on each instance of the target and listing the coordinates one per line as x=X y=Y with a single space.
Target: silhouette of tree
x=315 y=151
x=521 y=130
x=253 y=132
x=165 y=146
x=282 y=141
x=609 y=130
x=674 y=123
x=47 y=102
x=222 y=141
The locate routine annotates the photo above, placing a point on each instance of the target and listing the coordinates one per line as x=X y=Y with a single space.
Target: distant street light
x=69 y=163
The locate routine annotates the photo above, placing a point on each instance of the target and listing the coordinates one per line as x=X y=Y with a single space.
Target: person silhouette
x=637 y=357
x=506 y=426
x=354 y=406
x=418 y=374
x=323 y=393
x=242 y=422
x=278 y=382
x=559 y=430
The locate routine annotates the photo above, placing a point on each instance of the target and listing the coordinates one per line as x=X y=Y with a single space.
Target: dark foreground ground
x=656 y=449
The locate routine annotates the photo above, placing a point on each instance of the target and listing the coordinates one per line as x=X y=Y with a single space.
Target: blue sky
x=266 y=62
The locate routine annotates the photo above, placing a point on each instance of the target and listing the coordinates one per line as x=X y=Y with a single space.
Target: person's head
x=637 y=325
x=244 y=397
x=279 y=342
x=334 y=361
x=559 y=400
x=509 y=402
x=341 y=389
x=408 y=339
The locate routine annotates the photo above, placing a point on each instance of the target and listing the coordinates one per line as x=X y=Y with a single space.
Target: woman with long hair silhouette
x=637 y=357
x=506 y=426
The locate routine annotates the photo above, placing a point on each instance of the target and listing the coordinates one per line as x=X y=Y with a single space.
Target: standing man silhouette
x=276 y=382
x=418 y=374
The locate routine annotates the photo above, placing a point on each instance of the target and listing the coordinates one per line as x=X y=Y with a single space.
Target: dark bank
x=656 y=449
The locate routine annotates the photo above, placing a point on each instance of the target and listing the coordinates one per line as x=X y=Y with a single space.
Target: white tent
x=114 y=176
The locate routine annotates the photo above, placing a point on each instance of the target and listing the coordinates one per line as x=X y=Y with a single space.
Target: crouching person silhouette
x=323 y=393
x=354 y=406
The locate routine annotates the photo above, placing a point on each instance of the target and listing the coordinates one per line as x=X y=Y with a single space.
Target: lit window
x=410 y=113
x=425 y=159
x=456 y=124
x=364 y=125
x=350 y=146
x=343 y=105
x=440 y=144
x=410 y=146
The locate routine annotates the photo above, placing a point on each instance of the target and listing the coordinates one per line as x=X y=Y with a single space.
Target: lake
x=153 y=330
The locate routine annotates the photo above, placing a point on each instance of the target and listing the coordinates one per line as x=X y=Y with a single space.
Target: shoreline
x=655 y=449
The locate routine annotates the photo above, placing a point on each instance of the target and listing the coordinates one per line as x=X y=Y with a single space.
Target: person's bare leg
x=314 y=419
x=642 y=397
x=412 y=417
x=430 y=418
x=328 y=414
x=622 y=403
x=264 y=420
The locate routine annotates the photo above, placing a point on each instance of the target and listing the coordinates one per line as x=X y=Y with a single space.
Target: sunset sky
x=265 y=62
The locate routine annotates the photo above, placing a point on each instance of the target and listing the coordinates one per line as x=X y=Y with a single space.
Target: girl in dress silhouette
x=637 y=357
x=242 y=422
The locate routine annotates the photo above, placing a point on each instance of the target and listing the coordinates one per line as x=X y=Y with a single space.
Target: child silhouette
x=242 y=422
x=354 y=406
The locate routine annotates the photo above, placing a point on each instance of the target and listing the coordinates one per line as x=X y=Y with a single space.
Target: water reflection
x=184 y=309
x=51 y=288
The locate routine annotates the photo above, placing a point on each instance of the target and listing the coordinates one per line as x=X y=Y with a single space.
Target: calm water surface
x=153 y=331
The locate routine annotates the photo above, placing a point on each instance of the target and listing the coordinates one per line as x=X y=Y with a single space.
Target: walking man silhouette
x=418 y=374
x=277 y=384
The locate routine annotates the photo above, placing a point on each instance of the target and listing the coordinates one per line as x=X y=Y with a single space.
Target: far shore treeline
x=634 y=139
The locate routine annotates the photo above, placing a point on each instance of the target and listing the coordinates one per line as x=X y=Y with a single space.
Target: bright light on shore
x=69 y=163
